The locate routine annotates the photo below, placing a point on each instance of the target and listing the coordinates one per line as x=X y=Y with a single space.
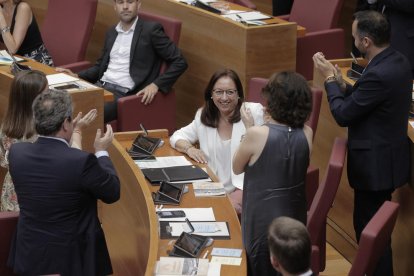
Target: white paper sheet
x=214 y=269
x=226 y=252
x=226 y=260
x=5 y=58
x=60 y=78
x=164 y=162
x=253 y=15
x=210 y=229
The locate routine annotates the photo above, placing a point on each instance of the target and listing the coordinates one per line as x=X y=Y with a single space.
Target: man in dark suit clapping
x=375 y=110
x=58 y=230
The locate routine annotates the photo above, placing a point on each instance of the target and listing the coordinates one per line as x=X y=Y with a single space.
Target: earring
x=211 y=97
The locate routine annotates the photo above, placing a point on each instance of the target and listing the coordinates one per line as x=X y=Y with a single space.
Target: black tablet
x=190 y=244
x=146 y=144
x=171 y=191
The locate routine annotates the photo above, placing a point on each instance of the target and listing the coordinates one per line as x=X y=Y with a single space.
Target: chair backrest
x=316 y=15
x=374 y=238
x=67 y=28
x=316 y=109
x=246 y=3
x=255 y=89
x=8 y=223
x=254 y=95
x=161 y=112
x=325 y=196
x=172 y=28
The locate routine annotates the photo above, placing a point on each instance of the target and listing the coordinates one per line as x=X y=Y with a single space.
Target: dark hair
x=374 y=25
x=50 y=110
x=289 y=99
x=18 y=122
x=289 y=243
x=210 y=114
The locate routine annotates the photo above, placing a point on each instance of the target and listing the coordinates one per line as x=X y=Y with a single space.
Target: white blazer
x=207 y=138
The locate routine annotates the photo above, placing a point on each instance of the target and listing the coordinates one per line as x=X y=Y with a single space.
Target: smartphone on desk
x=171 y=214
x=67 y=86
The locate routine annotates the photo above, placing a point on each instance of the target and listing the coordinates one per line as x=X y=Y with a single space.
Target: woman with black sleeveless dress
x=274 y=157
x=20 y=33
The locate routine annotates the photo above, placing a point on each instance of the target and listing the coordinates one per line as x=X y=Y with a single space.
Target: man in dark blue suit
x=375 y=110
x=400 y=14
x=58 y=230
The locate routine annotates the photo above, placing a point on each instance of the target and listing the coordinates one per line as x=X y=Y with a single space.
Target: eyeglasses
x=220 y=92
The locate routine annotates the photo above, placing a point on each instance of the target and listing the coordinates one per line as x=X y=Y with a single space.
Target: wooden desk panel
x=83 y=100
x=210 y=42
x=131 y=227
x=340 y=232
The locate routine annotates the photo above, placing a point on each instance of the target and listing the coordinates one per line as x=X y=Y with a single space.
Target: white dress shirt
x=208 y=139
x=118 y=67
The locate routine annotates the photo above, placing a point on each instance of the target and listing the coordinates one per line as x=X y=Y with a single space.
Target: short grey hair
x=50 y=109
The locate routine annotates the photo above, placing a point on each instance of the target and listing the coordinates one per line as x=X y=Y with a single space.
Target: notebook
x=178 y=173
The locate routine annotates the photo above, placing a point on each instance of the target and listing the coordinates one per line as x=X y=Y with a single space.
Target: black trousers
x=281 y=7
x=366 y=204
x=111 y=108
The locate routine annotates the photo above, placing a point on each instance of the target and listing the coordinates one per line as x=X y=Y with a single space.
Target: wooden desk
x=210 y=42
x=340 y=232
x=83 y=100
x=131 y=227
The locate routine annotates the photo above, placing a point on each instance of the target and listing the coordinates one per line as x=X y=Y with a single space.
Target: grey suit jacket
x=150 y=47
x=375 y=110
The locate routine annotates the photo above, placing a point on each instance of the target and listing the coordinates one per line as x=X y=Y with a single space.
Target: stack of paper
x=210 y=229
x=164 y=162
x=6 y=59
x=181 y=266
x=203 y=189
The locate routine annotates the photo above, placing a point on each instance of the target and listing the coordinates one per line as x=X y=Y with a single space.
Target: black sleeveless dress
x=32 y=45
x=274 y=186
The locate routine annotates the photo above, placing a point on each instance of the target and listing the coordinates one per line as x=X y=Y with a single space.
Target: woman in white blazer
x=218 y=128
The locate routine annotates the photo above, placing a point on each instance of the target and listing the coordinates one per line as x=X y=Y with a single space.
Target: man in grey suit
x=131 y=59
x=375 y=110
x=58 y=230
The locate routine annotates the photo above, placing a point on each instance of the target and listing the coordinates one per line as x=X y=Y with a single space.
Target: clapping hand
x=82 y=122
x=323 y=66
x=102 y=142
x=246 y=116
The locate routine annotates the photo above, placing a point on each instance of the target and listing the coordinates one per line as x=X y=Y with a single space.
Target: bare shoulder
x=309 y=135
x=24 y=7
x=308 y=131
x=256 y=131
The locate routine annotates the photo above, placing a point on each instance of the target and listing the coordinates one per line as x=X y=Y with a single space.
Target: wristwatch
x=330 y=79
x=5 y=29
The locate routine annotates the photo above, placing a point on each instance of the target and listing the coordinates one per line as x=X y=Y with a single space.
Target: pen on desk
x=354 y=58
x=144 y=129
x=205 y=254
x=240 y=18
x=189 y=225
